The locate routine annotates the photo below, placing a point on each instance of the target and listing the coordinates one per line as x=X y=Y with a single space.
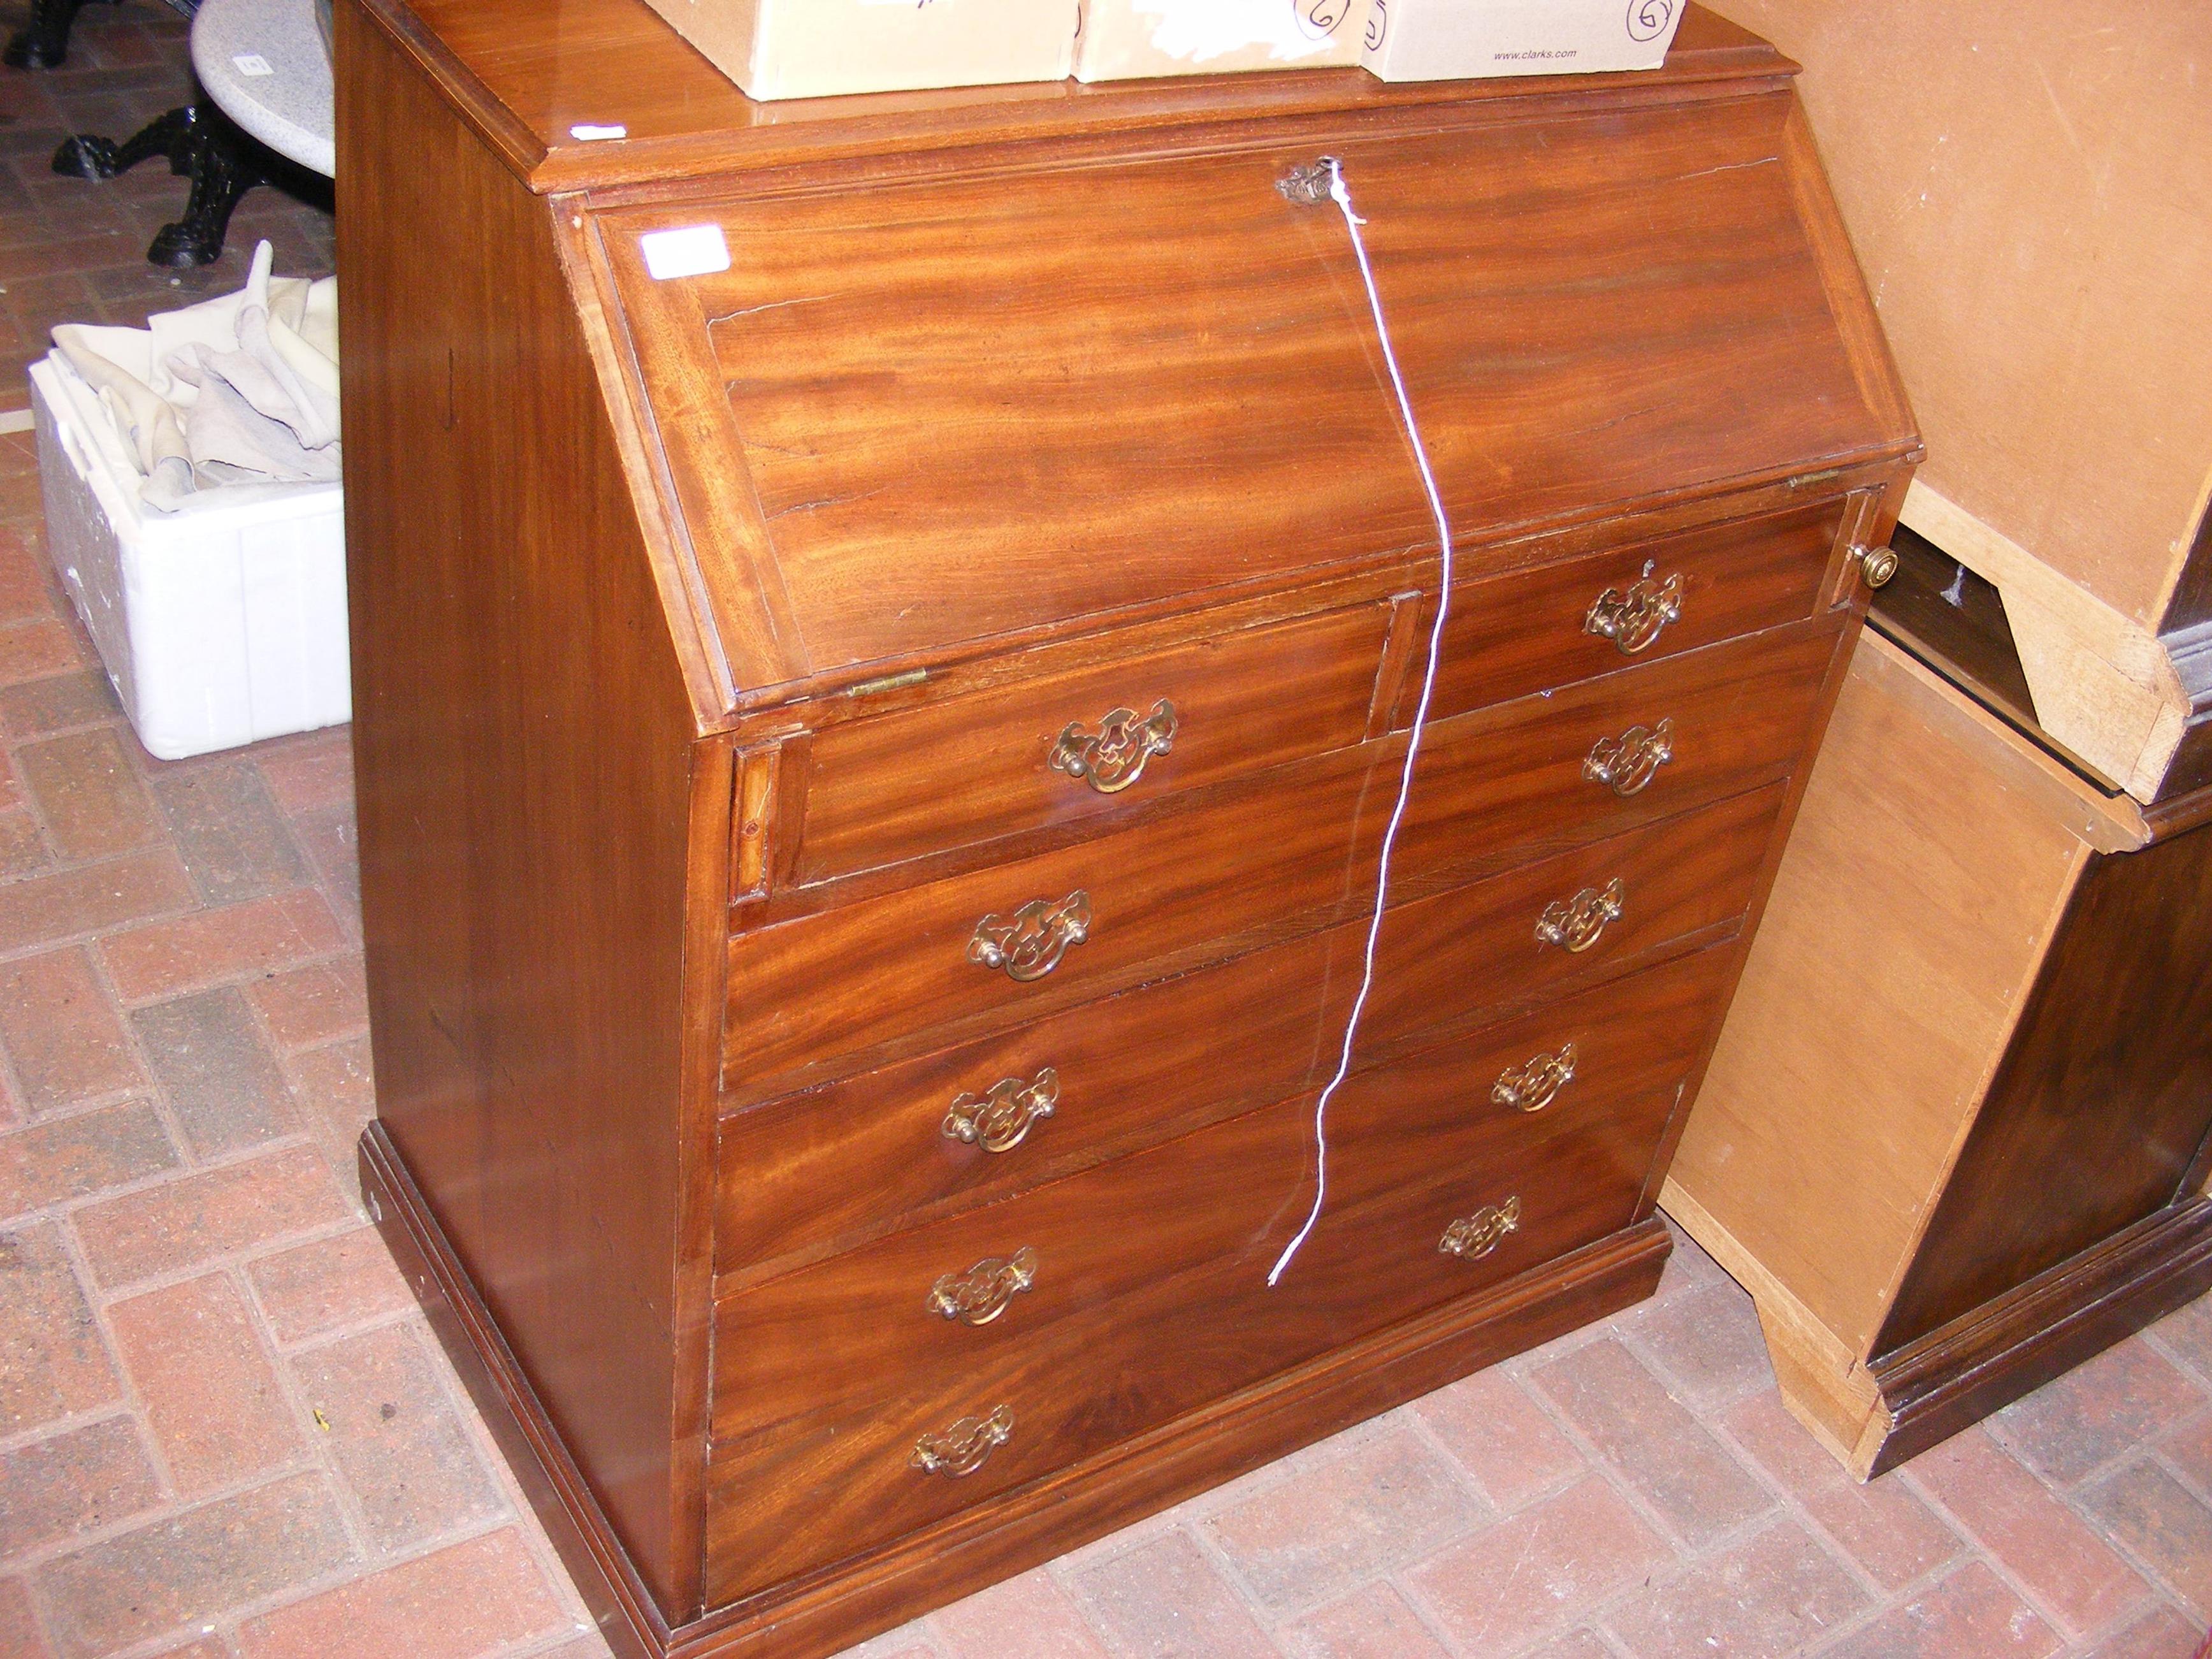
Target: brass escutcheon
x=1627 y=764
x=1000 y=1121
x=1532 y=1087
x=1578 y=922
x=980 y=1295
x=1474 y=1236
x=964 y=1448
x=1112 y=758
x=1308 y=185
x=1632 y=620
x=1030 y=944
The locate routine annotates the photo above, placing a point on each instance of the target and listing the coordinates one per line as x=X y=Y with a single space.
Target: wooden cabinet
x=1984 y=1160
x=874 y=745
x=2025 y=210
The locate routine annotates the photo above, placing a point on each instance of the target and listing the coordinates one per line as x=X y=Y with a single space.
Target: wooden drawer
x=1511 y=635
x=824 y=995
x=1511 y=782
x=814 y=998
x=1147 y=1294
x=881 y=791
x=807 y=1175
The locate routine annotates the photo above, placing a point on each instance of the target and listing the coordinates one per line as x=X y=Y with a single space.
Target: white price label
x=695 y=251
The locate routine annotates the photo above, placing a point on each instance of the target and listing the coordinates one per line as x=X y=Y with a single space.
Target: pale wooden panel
x=2029 y=186
x=1924 y=876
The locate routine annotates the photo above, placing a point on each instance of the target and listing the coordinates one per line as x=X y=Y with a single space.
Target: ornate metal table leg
x=225 y=164
x=44 y=42
x=84 y=156
x=201 y=143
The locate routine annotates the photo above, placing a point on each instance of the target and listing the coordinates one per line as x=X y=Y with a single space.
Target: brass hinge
x=889 y=682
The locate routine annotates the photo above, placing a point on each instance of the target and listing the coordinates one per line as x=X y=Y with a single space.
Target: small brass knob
x=1877 y=565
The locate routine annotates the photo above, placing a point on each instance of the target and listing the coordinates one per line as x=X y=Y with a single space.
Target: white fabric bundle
x=234 y=392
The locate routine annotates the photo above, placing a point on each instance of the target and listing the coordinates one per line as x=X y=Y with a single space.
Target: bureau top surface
x=935 y=376
x=529 y=72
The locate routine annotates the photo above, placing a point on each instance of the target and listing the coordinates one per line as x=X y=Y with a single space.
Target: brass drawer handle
x=964 y=1448
x=1030 y=944
x=1627 y=764
x=1577 y=923
x=1474 y=1236
x=980 y=1295
x=1532 y=1087
x=1001 y=1120
x=1632 y=620
x=1113 y=758
x=1876 y=564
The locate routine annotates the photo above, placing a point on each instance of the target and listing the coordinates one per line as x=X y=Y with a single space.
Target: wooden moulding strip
x=577 y=1526
x=2013 y=1343
x=2105 y=686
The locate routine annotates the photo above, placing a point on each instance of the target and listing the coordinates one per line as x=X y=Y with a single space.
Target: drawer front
x=1509 y=635
x=1505 y=784
x=807 y=1175
x=1085 y=746
x=814 y=998
x=1145 y=1293
x=821 y=996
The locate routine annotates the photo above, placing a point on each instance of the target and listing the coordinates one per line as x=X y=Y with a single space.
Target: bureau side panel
x=2094 y=1119
x=525 y=755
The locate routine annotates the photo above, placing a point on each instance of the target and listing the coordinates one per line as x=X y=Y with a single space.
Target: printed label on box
x=1448 y=39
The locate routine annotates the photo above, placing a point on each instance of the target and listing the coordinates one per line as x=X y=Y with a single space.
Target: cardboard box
x=1462 y=39
x=816 y=48
x=218 y=626
x=1124 y=39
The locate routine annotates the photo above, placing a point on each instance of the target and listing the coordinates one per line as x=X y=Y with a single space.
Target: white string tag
x=1342 y=195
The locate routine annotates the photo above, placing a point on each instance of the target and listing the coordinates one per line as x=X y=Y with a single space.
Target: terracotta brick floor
x=74 y=251
x=225 y=1432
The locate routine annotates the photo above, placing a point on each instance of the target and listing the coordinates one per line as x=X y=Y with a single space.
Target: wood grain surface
x=925 y=361
x=1914 y=901
x=2109 y=1071
x=1124 y=1327
x=815 y=996
x=867 y=1153
x=905 y=785
x=489 y=524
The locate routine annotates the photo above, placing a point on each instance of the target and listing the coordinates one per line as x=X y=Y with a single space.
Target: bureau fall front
x=886 y=636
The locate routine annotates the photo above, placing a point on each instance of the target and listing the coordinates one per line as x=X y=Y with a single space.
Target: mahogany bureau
x=876 y=718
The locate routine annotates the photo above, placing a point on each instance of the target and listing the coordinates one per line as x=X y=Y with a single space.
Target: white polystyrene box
x=219 y=626
x=1456 y=39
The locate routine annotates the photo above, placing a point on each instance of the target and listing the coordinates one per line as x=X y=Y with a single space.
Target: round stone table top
x=263 y=61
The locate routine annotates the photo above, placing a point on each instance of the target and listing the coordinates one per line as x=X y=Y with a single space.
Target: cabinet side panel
x=1901 y=936
x=2106 y=1092
x=2040 y=264
x=524 y=754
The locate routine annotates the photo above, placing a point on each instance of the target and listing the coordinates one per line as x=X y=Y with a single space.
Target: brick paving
x=74 y=251
x=225 y=1432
